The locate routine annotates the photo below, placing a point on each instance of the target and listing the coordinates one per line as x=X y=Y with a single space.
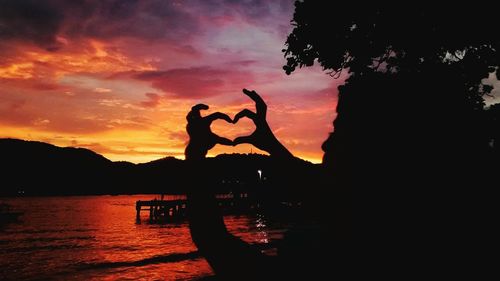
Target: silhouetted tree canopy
x=394 y=37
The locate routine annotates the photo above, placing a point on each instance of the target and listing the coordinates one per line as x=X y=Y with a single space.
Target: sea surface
x=98 y=238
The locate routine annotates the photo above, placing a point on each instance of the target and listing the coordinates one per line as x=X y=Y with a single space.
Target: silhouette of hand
x=201 y=137
x=262 y=138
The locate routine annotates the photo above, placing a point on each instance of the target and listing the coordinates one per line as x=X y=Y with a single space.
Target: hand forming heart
x=202 y=139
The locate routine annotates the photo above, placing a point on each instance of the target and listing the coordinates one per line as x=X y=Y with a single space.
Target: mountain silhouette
x=32 y=168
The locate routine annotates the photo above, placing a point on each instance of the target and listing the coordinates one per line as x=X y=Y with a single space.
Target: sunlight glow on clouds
x=118 y=77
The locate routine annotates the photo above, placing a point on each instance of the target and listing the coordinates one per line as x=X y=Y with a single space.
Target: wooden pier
x=164 y=211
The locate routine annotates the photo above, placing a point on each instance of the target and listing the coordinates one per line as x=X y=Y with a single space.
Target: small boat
x=7 y=215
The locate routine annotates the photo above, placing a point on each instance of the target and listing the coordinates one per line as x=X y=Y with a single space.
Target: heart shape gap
x=243 y=127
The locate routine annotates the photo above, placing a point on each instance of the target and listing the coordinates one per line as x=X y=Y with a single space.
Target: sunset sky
x=119 y=77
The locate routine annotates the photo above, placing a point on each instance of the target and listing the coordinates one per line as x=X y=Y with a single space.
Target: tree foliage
x=397 y=37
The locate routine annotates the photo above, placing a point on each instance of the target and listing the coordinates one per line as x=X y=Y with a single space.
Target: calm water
x=97 y=238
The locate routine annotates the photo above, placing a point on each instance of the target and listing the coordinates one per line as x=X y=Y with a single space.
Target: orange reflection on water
x=94 y=238
x=97 y=238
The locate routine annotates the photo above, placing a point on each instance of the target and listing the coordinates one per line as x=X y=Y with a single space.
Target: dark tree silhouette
x=411 y=137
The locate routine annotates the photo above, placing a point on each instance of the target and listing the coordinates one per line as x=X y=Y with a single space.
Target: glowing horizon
x=119 y=77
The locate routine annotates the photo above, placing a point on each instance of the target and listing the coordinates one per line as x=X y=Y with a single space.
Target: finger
x=244 y=139
x=244 y=113
x=200 y=106
x=218 y=115
x=259 y=102
x=253 y=95
x=247 y=92
x=224 y=141
x=226 y=118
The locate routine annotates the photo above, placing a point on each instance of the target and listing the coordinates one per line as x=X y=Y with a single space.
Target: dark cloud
x=155 y=19
x=30 y=20
x=41 y=21
x=193 y=82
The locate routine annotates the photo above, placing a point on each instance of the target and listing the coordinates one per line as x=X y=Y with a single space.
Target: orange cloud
x=153 y=100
